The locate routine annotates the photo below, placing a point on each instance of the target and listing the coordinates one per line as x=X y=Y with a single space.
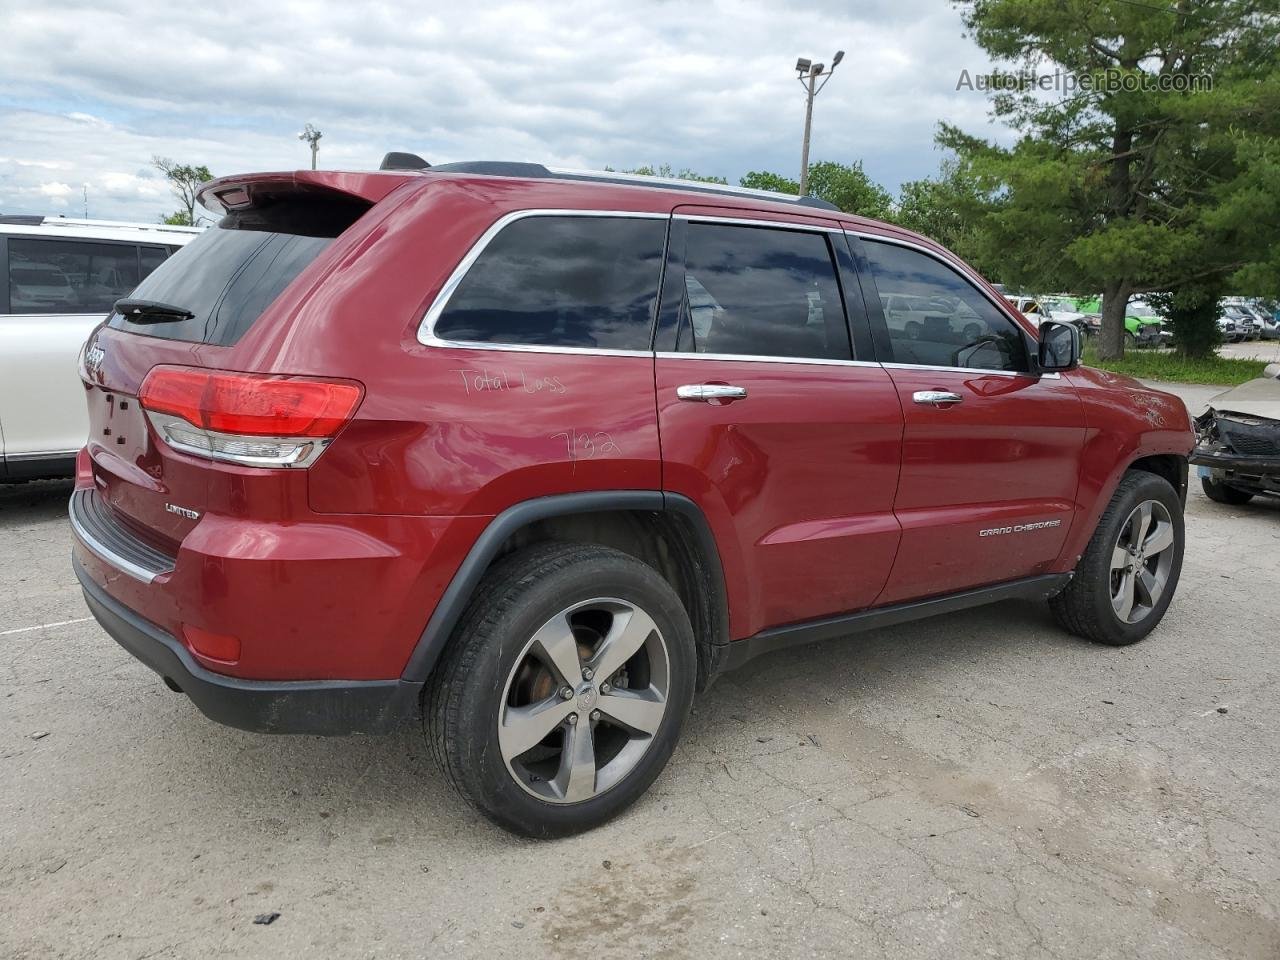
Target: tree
x=184 y=180
x=843 y=184
x=1193 y=313
x=949 y=209
x=765 y=180
x=666 y=170
x=1118 y=185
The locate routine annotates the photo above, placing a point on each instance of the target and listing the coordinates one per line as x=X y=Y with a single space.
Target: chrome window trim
x=748 y=222
x=426 y=329
x=428 y=338
x=975 y=281
x=983 y=370
x=756 y=358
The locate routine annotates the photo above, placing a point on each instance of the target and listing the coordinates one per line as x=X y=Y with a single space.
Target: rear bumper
x=293 y=706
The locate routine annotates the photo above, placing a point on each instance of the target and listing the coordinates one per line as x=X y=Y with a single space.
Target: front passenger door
x=991 y=450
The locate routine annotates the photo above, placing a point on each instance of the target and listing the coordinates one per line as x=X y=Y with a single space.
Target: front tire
x=1127 y=576
x=1224 y=493
x=564 y=689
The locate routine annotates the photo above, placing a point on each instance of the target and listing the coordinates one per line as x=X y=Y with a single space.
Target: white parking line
x=43 y=626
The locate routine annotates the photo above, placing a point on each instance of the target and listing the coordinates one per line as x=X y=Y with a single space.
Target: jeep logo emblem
x=93 y=358
x=586 y=700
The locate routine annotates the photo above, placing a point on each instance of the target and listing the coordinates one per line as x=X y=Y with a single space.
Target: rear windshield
x=231 y=273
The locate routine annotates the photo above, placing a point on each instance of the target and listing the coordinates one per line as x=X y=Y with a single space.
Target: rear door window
x=762 y=291
x=561 y=281
x=69 y=276
x=229 y=274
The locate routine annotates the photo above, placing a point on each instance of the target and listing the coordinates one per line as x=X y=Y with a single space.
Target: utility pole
x=85 y=188
x=312 y=136
x=808 y=73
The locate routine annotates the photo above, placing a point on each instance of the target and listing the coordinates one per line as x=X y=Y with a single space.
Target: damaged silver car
x=1238 y=441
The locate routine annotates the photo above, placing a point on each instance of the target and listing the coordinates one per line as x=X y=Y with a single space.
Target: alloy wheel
x=1141 y=561
x=584 y=700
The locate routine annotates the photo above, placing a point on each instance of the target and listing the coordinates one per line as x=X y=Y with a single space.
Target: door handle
x=706 y=392
x=937 y=398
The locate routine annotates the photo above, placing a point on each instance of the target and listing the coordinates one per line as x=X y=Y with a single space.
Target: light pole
x=312 y=136
x=808 y=73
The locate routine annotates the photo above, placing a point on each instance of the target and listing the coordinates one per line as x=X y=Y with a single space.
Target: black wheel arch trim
x=453 y=602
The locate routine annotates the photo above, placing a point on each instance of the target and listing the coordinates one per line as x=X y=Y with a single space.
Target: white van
x=58 y=279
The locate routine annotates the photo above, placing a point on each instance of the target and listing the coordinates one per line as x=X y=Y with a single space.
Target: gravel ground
x=979 y=785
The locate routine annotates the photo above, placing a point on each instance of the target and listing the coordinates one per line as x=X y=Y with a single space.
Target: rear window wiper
x=151 y=311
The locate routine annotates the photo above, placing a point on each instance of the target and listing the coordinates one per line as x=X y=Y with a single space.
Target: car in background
x=1238 y=442
x=1029 y=307
x=1231 y=330
x=59 y=278
x=1144 y=327
x=1089 y=325
x=918 y=318
x=1248 y=325
x=1268 y=325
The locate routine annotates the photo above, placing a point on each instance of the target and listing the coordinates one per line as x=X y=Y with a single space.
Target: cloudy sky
x=89 y=92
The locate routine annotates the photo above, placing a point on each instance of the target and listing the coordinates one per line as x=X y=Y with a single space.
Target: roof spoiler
x=238 y=192
x=396 y=160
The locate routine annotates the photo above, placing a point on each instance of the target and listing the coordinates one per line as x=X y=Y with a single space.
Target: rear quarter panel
x=1124 y=422
x=453 y=431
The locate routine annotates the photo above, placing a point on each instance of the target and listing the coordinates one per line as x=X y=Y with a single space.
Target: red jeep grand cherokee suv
x=537 y=454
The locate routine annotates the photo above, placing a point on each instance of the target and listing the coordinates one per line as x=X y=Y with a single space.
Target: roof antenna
x=403 y=161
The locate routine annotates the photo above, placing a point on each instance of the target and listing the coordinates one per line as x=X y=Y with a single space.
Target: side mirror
x=1059 y=346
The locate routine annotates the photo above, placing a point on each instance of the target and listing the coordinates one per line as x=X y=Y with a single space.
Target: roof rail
x=22 y=219
x=501 y=168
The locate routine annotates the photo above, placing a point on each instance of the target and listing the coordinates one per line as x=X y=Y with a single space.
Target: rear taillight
x=258 y=420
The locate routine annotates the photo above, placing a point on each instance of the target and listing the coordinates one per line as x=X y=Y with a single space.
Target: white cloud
x=55 y=191
x=94 y=89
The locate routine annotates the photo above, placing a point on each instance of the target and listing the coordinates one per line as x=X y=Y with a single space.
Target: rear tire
x=1128 y=573
x=516 y=715
x=1224 y=493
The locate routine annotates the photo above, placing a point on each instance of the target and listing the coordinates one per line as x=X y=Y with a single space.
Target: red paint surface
x=827 y=489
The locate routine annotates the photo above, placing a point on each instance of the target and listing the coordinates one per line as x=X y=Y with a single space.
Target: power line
x=1159 y=8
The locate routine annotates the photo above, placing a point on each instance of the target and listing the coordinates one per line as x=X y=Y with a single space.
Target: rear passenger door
x=784 y=431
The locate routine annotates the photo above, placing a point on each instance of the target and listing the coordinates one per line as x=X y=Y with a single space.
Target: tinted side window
x=561 y=281
x=69 y=276
x=762 y=291
x=151 y=257
x=937 y=318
